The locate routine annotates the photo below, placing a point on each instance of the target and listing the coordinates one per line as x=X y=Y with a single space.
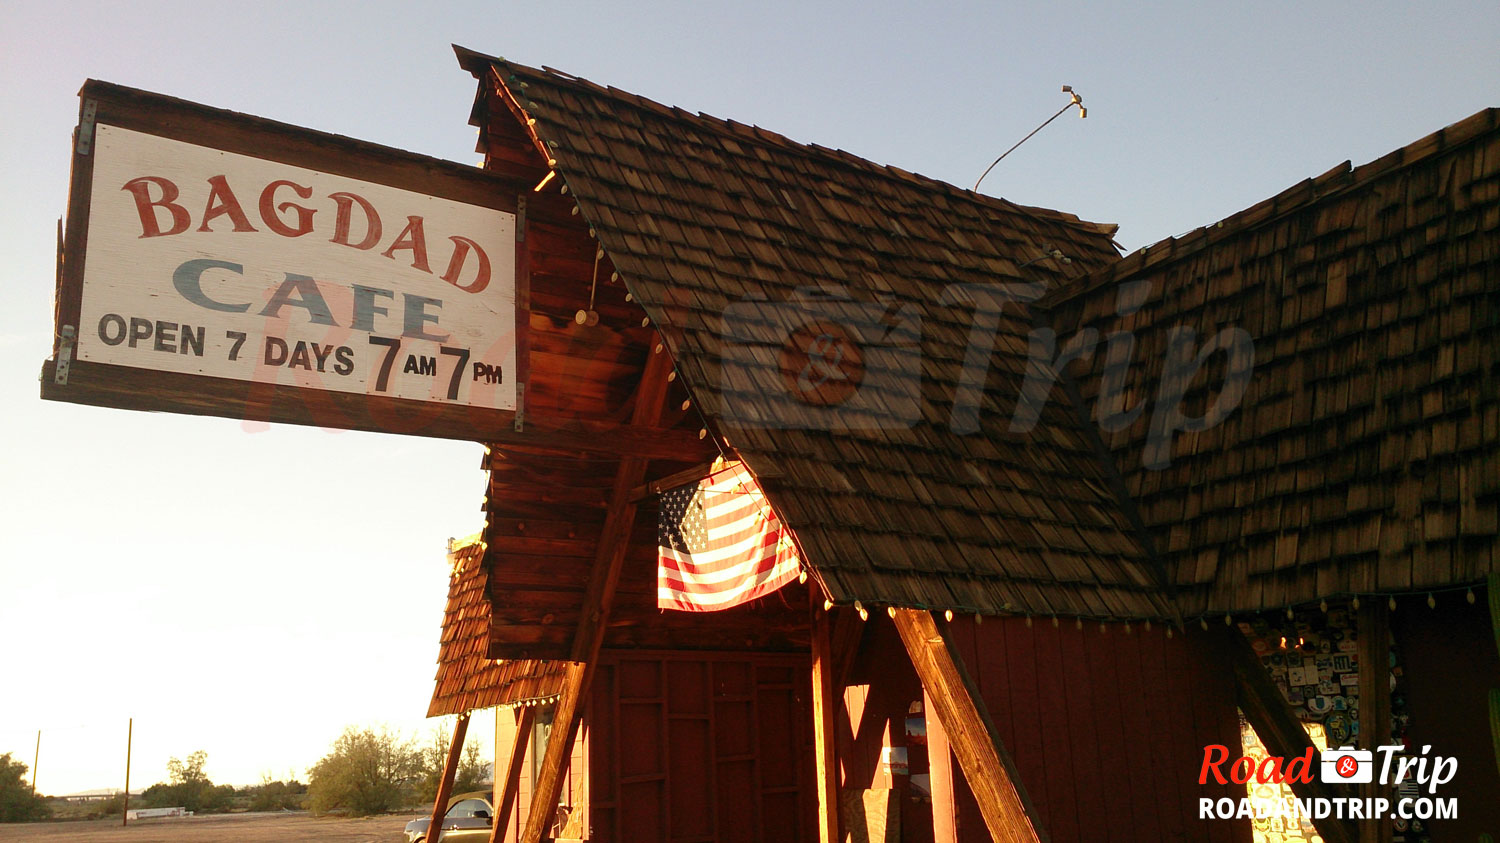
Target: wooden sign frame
x=65 y=378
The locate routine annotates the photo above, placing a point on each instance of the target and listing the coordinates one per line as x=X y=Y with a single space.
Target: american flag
x=719 y=544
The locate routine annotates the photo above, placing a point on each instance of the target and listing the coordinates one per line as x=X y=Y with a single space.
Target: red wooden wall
x=1107 y=729
x=1450 y=662
x=701 y=747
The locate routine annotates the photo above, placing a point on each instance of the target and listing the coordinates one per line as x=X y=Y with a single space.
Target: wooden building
x=1004 y=630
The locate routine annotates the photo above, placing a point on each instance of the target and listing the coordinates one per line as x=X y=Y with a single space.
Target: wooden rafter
x=609 y=558
x=1280 y=730
x=1007 y=811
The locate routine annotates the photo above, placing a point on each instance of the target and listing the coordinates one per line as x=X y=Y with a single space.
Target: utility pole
x=34 y=759
x=129 y=739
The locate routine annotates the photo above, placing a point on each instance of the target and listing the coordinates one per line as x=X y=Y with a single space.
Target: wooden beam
x=847 y=632
x=825 y=706
x=671 y=481
x=450 y=769
x=1008 y=813
x=1278 y=728
x=609 y=558
x=940 y=769
x=1374 y=704
x=506 y=786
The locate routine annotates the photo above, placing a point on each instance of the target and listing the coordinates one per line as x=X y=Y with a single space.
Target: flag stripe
x=720 y=544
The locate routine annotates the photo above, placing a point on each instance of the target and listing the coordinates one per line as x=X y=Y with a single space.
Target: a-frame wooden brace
x=825 y=706
x=1278 y=728
x=1008 y=813
x=1374 y=705
x=450 y=770
x=608 y=560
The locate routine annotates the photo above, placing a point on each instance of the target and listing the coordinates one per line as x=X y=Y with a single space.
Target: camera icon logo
x=1347 y=766
x=823 y=360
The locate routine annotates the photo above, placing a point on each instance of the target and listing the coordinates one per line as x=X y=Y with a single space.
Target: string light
x=1470 y=596
x=1148 y=624
x=863 y=615
x=1323 y=606
x=1078 y=623
x=1055 y=623
x=1391 y=604
x=1355 y=602
x=948 y=616
x=1203 y=622
x=1169 y=630
x=1431 y=601
x=1028 y=621
x=1228 y=621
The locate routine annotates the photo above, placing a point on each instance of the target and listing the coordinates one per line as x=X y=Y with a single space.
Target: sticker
x=1349 y=679
x=1319 y=704
x=1260 y=646
x=1296 y=675
x=1340 y=703
x=1328 y=687
x=1338 y=729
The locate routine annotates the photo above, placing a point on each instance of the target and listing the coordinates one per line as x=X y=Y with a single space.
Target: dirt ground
x=223 y=828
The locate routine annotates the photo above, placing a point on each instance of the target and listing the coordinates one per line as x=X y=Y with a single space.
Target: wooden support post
x=450 y=769
x=1374 y=705
x=129 y=744
x=609 y=558
x=824 y=707
x=987 y=767
x=506 y=785
x=1278 y=728
x=940 y=770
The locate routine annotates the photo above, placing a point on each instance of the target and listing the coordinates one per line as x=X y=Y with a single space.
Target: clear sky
x=248 y=591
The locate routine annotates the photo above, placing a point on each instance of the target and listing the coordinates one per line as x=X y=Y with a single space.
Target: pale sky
x=248 y=591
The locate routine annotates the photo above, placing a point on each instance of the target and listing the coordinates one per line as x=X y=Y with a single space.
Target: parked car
x=468 y=819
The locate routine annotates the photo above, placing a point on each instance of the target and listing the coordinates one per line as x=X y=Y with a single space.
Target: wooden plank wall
x=1450 y=662
x=1107 y=729
x=702 y=747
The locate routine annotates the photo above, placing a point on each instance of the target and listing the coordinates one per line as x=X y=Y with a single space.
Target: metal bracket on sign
x=520 y=406
x=64 y=355
x=86 y=127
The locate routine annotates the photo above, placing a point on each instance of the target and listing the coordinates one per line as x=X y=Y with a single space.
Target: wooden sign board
x=220 y=264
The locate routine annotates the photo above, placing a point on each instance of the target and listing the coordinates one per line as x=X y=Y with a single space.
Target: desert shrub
x=17 y=803
x=189 y=788
x=366 y=772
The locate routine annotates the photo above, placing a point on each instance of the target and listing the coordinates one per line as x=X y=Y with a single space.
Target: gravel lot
x=223 y=828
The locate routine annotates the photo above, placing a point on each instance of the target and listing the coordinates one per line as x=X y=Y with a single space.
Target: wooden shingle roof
x=467 y=678
x=915 y=493
x=1364 y=457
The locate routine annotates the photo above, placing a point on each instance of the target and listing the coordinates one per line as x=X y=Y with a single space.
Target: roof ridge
x=769 y=137
x=1337 y=180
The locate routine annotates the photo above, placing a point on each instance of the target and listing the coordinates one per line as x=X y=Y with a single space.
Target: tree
x=367 y=772
x=189 y=787
x=472 y=770
x=17 y=802
x=276 y=795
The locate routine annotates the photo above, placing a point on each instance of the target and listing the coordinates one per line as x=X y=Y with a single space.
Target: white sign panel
x=212 y=263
